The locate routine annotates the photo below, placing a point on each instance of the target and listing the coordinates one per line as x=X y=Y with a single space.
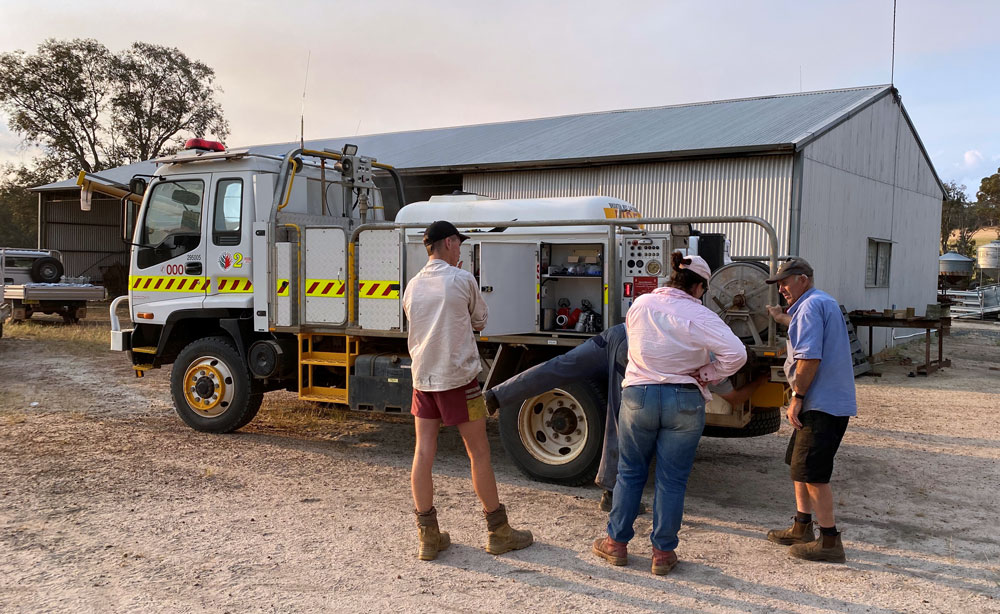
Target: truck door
x=508 y=279
x=229 y=260
x=168 y=261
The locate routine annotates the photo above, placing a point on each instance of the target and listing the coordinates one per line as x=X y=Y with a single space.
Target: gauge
x=653 y=267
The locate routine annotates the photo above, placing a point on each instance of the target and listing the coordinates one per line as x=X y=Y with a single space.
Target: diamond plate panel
x=378 y=260
x=326 y=267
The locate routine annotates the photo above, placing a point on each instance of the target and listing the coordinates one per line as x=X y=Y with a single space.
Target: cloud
x=972 y=158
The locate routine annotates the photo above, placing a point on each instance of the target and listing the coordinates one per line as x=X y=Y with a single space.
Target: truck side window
x=172 y=225
x=228 y=212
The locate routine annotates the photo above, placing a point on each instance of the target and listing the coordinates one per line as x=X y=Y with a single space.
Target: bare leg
x=477 y=445
x=803 y=502
x=421 y=482
x=822 y=502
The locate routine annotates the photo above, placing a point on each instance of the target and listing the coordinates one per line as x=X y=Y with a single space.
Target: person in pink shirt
x=677 y=348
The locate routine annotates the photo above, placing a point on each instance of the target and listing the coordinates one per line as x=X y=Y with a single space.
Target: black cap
x=441 y=230
x=792 y=266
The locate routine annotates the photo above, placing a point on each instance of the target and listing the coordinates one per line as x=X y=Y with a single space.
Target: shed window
x=877 y=269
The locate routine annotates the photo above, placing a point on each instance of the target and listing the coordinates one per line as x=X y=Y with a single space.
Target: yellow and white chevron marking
x=283 y=287
x=325 y=287
x=378 y=289
x=167 y=283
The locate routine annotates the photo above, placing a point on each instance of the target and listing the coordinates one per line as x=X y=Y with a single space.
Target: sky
x=384 y=66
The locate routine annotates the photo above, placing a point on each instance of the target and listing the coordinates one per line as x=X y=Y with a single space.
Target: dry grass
x=79 y=335
x=285 y=412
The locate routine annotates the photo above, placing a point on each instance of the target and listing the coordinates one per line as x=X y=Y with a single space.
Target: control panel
x=645 y=266
x=645 y=257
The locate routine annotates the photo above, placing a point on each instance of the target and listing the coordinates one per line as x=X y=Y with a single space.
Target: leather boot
x=800 y=533
x=828 y=548
x=432 y=538
x=663 y=561
x=502 y=538
x=613 y=552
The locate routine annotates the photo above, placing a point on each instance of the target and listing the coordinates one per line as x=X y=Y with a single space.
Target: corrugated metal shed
x=751 y=125
x=745 y=185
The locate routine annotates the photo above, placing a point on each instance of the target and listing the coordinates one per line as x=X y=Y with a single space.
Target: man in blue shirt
x=821 y=376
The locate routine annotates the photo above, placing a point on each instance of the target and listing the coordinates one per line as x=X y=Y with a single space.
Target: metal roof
x=763 y=124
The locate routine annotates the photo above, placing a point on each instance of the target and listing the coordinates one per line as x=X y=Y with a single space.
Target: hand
x=794 y=408
x=775 y=311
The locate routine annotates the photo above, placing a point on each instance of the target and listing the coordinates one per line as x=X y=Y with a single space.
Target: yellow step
x=145 y=350
x=331 y=361
x=324 y=395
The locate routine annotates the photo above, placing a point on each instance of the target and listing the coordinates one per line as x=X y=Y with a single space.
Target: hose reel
x=738 y=293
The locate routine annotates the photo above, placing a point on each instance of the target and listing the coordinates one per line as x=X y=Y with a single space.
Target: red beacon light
x=204 y=145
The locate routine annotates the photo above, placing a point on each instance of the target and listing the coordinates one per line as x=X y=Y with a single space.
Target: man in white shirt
x=443 y=307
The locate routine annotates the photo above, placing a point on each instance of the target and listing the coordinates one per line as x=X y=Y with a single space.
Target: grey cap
x=793 y=266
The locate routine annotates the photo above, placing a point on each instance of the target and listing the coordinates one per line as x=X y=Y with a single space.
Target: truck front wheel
x=212 y=388
x=558 y=435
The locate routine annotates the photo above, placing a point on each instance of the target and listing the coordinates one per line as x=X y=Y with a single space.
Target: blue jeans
x=665 y=419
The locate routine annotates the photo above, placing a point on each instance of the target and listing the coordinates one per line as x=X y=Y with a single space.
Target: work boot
x=663 y=561
x=502 y=538
x=608 y=499
x=432 y=539
x=608 y=549
x=828 y=548
x=800 y=533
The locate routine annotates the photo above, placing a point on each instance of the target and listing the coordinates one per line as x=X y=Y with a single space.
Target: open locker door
x=508 y=279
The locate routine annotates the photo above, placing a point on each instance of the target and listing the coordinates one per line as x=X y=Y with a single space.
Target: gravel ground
x=108 y=503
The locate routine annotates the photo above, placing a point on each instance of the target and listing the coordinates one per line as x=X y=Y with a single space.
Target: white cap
x=699 y=266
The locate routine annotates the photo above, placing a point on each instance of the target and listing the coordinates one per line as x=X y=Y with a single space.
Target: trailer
x=254 y=273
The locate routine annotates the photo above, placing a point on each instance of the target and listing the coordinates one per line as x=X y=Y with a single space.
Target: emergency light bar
x=204 y=145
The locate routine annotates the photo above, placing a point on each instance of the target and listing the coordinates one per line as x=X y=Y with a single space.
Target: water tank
x=954 y=264
x=989 y=258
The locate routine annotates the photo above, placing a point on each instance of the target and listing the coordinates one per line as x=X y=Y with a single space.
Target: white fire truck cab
x=254 y=273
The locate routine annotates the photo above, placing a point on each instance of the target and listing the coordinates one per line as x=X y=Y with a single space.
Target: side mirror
x=137 y=186
x=128 y=219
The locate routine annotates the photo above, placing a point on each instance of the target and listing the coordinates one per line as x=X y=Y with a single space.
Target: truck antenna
x=302 y=114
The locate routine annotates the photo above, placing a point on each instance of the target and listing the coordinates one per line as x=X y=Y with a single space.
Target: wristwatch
x=796 y=395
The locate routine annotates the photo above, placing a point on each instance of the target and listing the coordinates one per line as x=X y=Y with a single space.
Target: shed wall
x=758 y=186
x=867 y=178
x=88 y=240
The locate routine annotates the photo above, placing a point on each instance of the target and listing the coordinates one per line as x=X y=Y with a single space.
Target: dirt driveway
x=108 y=503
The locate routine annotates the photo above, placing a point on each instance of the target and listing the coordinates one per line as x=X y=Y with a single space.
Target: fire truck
x=252 y=273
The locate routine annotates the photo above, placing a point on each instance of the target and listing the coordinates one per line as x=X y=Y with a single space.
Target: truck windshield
x=172 y=223
x=174 y=208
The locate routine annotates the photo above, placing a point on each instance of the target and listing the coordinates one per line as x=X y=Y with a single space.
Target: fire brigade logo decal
x=227 y=261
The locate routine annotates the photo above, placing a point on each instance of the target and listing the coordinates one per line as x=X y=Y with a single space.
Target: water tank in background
x=955 y=264
x=989 y=258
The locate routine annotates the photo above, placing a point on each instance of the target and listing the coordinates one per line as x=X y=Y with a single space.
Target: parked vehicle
x=253 y=273
x=34 y=283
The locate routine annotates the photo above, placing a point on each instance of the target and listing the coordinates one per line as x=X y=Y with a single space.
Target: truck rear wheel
x=212 y=388
x=558 y=435
x=763 y=421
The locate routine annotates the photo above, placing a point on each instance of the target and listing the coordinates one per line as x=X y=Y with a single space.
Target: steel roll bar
x=612 y=224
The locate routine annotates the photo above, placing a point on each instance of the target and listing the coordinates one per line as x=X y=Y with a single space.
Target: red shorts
x=451 y=407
